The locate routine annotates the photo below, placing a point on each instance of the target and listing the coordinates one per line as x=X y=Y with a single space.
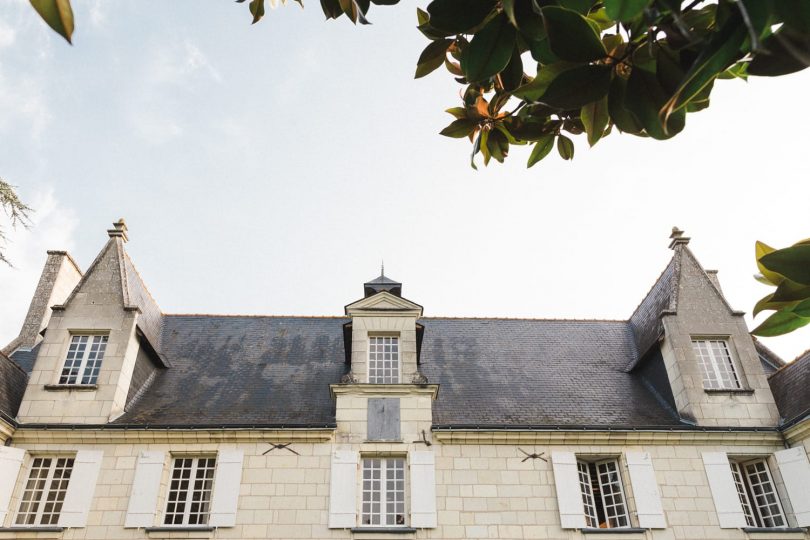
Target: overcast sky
x=268 y=169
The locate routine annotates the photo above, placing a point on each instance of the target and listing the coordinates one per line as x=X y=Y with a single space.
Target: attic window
x=83 y=360
x=383 y=359
x=716 y=364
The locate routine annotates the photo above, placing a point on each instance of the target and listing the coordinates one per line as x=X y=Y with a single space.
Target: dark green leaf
x=781 y=322
x=794 y=13
x=792 y=262
x=565 y=147
x=331 y=8
x=512 y=75
x=498 y=145
x=570 y=35
x=595 y=118
x=624 y=10
x=385 y=2
x=760 y=250
x=432 y=57
x=58 y=14
x=459 y=16
x=576 y=87
x=644 y=97
x=489 y=51
x=580 y=6
x=541 y=149
x=256 y=9
x=422 y=16
x=459 y=128
x=802 y=309
x=790 y=291
x=476 y=149
x=622 y=118
x=509 y=11
x=458 y=112
x=785 y=52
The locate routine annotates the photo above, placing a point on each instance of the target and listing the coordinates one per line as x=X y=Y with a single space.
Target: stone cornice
x=366 y=389
x=7 y=429
x=618 y=437
x=798 y=432
x=36 y=435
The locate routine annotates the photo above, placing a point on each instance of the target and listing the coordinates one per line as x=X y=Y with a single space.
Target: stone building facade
x=121 y=421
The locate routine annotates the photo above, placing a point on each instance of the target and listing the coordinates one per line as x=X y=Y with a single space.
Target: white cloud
x=52 y=228
x=7 y=35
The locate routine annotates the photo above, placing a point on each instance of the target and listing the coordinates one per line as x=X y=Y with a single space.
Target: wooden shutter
x=795 y=469
x=569 y=494
x=645 y=490
x=423 y=489
x=82 y=485
x=10 y=462
x=227 y=480
x=343 y=490
x=382 y=419
x=145 y=489
x=724 y=492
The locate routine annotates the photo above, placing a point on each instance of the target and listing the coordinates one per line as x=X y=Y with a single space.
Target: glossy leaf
x=512 y=75
x=570 y=35
x=595 y=118
x=790 y=291
x=794 y=13
x=784 y=52
x=644 y=98
x=621 y=116
x=460 y=128
x=780 y=323
x=760 y=250
x=564 y=87
x=624 y=10
x=565 y=147
x=331 y=8
x=792 y=262
x=459 y=16
x=58 y=15
x=541 y=149
x=432 y=57
x=489 y=51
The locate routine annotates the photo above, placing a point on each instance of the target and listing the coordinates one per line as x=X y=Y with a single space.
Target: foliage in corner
x=15 y=209
x=789 y=271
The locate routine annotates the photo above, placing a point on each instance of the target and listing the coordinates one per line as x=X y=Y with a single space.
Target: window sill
x=756 y=533
x=384 y=533
x=69 y=387
x=44 y=533
x=738 y=391
x=180 y=532
x=618 y=533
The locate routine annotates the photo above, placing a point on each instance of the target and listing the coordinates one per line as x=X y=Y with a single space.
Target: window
x=602 y=494
x=189 y=500
x=83 y=360
x=45 y=491
x=383 y=492
x=715 y=361
x=758 y=497
x=383 y=359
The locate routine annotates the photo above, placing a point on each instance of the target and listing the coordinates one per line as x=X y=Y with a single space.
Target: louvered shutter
x=145 y=489
x=82 y=485
x=343 y=490
x=724 y=492
x=10 y=462
x=423 y=489
x=227 y=481
x=645 y=490
x=569 y=494
x=795 y=469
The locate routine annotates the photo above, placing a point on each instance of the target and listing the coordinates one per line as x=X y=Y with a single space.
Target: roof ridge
x=655 y=282
x=143 y=283
x=255 y=316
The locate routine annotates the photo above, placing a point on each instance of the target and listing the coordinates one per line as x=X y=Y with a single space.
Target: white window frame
x=48 y=494
x=201 y=518
x=713 y=365
x=386 y=339
x=589 y=501
x=89 y=362
x=367 y=488
x=752 y=507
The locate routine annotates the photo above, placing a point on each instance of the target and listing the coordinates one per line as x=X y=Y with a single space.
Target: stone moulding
x=34 y=435
x=385 y=389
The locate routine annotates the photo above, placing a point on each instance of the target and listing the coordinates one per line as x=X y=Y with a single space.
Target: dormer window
x=383 y=359
x=83 y=360
x=716 y=364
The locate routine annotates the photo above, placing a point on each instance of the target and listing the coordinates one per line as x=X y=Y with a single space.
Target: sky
x=270 y=168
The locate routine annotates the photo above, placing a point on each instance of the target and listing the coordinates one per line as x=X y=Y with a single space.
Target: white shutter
x=81 y=486
x=343 y=490
x=645 y=491
x=10 y=462
x=227 y=480
x=423 y=489
x=724 y=492
x=569 y=494
x=145 y=489
x=795 y=469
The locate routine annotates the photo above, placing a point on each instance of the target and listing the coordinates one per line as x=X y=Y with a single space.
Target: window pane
x=765 y=499
x=383 y=360
x=741 y=492
x=189 y=497
x=45 y=491
x=587 y=495
x=383 y=492
x=83 y=360
x=715 y=363
x=610 y=486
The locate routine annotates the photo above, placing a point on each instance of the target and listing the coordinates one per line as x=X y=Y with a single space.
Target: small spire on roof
x=382 y=267
x=119 y=230
x=678 y=238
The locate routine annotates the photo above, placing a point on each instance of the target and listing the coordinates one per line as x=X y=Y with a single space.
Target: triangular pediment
x=105 y=275
x=384 y=302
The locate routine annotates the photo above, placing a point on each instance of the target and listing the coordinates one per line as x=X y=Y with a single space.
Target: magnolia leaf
x=780 y=323
x=783 y=52
x=570 y=35
x=802 y=309
x=644 y=97
x=256 y=8
x=489 y=51
x=595 y=118
x=794 y=13
x=458 y=112
x=767 y=304
x=624 y=10
x=541 y=149
x=331 y=8
x=789 y=291
x=621 y=116
x=459 y=17
x=792 y=262
x=57 y=14
x=760 y=250
x=432 y=57
x=460 y=128
x=535 y=88
x=565 y=147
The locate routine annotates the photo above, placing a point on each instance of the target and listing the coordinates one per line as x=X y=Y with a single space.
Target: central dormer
x=383 y=338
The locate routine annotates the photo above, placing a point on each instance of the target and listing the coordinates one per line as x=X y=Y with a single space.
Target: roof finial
x=119 y=230
x=678 y=238
x=382 y=267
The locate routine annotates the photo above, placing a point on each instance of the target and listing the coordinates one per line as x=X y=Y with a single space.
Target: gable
x=382 y=302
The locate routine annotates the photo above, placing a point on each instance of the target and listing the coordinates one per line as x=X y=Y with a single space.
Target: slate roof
x=510 y=372
x=791 y=388
x=12 y=386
